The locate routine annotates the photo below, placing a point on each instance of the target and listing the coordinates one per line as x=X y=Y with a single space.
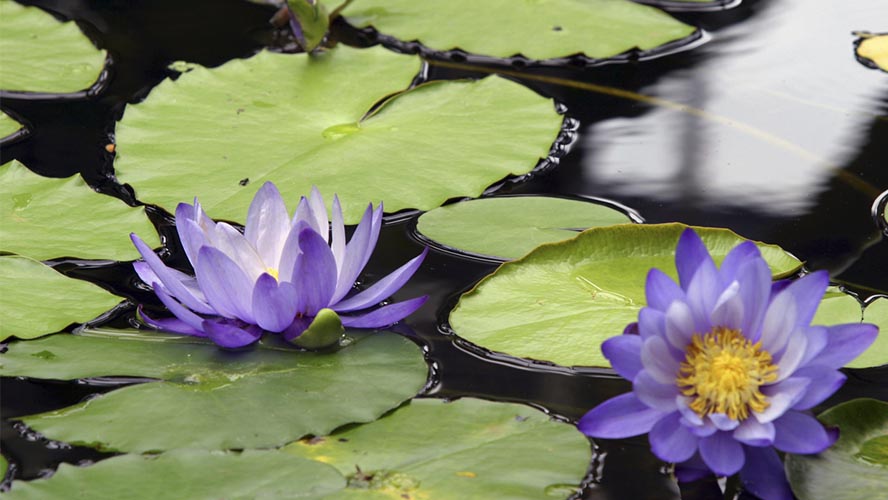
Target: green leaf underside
x=297 y=121
x=36 y=300
x=837 y=308
x=191 y=474
x=40 y=54
x=536 y=29
x=464 y=449
x=209 y=398
x=561 y=301
x=8 y=125
x=509 y=227
x=856 y=466
x=46 y=218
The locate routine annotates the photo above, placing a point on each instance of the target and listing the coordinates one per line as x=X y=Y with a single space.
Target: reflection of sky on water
x=789 y=101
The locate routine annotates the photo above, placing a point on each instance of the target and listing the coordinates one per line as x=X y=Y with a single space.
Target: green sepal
x=314 y=20
x=324 y=331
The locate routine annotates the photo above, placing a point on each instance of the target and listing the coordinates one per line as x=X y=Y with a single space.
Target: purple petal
x=661 y=291
x=792 y=355
x=818 y=337
x=702 y=293
x=722 y=422
x=179 y=311
x=654 y=394
x=227 y=334
x=754 y=433
x=737 y=258
x=355 y=252
x=267 y=224
x=671 y=441
x=299 y=325
x=385 y=315
x=779 y=322
x=169 y=279
x=651 y=323
x=825 y=381
x=781 y=397
x=619 y=417
x=174 y=325
x=690 y=254
x=846 y=342
x=691 y=470
x=305 y=213
x=755 y=285
x=802 y=434
x=337 y=240
x=779 y=286
x=762 y=474
x=226 y=286
x=808 y=290
x=680 y=326
x=319 y=210
x=291 y=251
x=315 y=272
x=728 y=309
x=624 y=354
x=722 y=453
x=233 y=244
x=631 y=329
x=659 y=361
x=274 y=304
x=382 y=288
x=190 y=234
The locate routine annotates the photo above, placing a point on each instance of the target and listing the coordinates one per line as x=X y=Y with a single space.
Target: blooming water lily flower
x=724 y=367
x=276 y=276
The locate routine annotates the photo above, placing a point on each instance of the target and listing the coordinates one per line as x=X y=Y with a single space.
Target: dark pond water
x=770 y=128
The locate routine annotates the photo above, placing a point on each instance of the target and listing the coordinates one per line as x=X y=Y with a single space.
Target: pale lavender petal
x=722 y=422
x=702 y=293
x=319 y=210
x=190 y=234
x=624 y=354
x=382 y=288
x=314 y=273
x=781 y=397
x=802 y=434
x=680 y=325
x=659 y=361
x=228 y=334
x=299 y=325
x=736 y=259
x=233 y=244
x=825 y=381
x=179 y=311
x=274 y=304
x=169 y=279
x=267 y=224
x=337 y=241
x=792 y=355
x=225 y=284
x=755 y=285
x=651 y=323
x=754 y=433
x=762 y=474
x=722 y=454
x=385 y=315
x=846 y=342
x=690 y=254
x=660 y=290
x=728 y=309
x=671 y=441
x=174 y=325
x=779 y=322
x=619 y=417
x=355 y=252
x=818 y=337
x=694 y=420
x=143 y=270
x=305 y=214
x=808 y=290
x=654 y=394
x=291 y=252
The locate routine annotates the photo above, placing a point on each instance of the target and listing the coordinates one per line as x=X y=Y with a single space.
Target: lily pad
x=37 y=300
x=481 y=450
x=508 y=227
x=300 y=120
x=872 y=50
x=562 y=300
x=838 y=307
x=8 y=125
x=536 y=29
x=856 y=466
x=47 y=218
x=40 y=54
x=208 y=398
x=192 y=474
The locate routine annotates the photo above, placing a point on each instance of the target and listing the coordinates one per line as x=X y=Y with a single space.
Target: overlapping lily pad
x=481 y=450
x=872 y=50
x=46 y=218
x=838 y=307
x=299 y=121
x=8 y=125
x=535 y=29
x=37 y=300
x=208 y=398
x=562 y=300
x=856 y=466
x=40 y=54
x=505 y=228
x=191 y=474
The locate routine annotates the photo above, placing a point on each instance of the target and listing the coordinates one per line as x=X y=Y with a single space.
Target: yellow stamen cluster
x=722 y=373
x=273 y=272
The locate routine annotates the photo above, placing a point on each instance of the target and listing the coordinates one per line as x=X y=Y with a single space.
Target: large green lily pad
x=40 y=54
x=208 y=398
x=837 y=307
x=536 y=29
x=508 y=227
x=37 y=300
x=8 y=125
x=191 y=474
x=562 y=300
x=47 y=218
x=856 y=466
x=299 y=120
x=464 y=449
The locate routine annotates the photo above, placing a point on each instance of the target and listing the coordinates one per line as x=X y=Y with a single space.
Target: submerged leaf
x=562 y=300
x=300 y=120
x=463 y=449
x=207 y=398
x=37 y=300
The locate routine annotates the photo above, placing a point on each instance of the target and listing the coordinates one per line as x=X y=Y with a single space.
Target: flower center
x=722 y=373
x=273 y=272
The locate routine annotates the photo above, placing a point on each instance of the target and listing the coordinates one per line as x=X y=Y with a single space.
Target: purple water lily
x=274 y=277
x=725 y=366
